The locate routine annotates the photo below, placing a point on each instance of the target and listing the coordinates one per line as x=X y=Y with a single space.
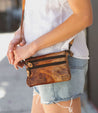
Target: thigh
x=70 y=106
x=36 y=104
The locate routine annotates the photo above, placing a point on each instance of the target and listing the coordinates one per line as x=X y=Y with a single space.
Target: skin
x=81 y=18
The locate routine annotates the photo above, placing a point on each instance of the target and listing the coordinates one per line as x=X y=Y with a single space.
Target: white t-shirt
x=41 y=16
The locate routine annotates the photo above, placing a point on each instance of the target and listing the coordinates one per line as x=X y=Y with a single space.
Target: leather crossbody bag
x=48 y=68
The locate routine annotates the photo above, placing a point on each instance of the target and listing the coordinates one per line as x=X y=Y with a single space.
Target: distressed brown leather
x=48 y=74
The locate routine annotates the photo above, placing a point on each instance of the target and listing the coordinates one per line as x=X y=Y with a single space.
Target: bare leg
x=36 y=105
x=54 y=108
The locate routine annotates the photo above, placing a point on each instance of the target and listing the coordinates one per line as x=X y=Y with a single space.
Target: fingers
x=11 y=57
x=10 y=54
x=8 y=57
x=16 y=64
x=21 y=64
x=23 y=42
x=17 y=61
x=12 y=46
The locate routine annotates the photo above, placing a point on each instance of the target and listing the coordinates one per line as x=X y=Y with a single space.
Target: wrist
x=32 y=48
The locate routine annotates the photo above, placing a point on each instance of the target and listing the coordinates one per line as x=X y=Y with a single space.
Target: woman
x=49 y=25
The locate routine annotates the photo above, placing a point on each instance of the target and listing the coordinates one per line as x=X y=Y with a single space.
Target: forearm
x=64 y=31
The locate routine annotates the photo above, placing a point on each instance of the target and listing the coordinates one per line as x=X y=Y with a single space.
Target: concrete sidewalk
x=15 y=95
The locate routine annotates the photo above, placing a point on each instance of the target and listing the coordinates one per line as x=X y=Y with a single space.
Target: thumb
x=23 y=42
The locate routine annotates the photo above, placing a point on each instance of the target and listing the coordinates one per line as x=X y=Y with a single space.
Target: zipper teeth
x=47 y=58
x=50 y=64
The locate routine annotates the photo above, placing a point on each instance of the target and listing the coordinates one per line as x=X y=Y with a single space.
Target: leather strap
x=23 y=7
x=70 y=44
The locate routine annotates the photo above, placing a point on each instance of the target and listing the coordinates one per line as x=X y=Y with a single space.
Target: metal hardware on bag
x=30 y=64
x=28 y=72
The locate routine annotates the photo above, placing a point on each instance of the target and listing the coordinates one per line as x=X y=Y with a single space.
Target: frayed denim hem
x=70 y=108
x=65 y=99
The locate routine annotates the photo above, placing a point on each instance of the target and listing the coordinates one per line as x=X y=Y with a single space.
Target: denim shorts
x=63 y=91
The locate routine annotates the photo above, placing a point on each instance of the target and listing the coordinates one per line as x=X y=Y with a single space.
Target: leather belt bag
x=48 y=68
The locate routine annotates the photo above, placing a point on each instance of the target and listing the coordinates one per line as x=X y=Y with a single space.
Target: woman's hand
x=14 y=42
x=23 y=52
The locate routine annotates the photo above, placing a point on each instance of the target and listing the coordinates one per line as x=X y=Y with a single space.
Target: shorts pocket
x=76 y=63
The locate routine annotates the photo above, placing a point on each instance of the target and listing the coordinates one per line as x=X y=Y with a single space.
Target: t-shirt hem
x=81 y=57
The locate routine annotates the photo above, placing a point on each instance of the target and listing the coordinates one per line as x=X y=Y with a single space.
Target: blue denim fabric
x=63 y=91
